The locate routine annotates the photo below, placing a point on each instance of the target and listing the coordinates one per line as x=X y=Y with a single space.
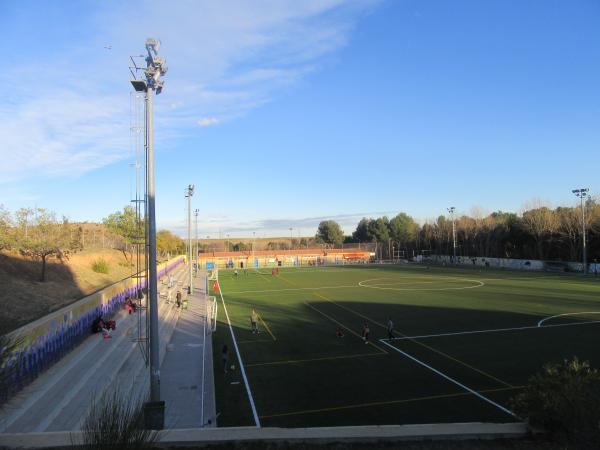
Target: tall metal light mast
x=451 y=211
x=155 y=68
x=189 y=194
x=582 y=194
x=196 y=211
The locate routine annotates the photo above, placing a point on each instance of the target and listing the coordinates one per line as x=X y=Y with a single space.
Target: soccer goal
x=213 y=274
x=211 y=313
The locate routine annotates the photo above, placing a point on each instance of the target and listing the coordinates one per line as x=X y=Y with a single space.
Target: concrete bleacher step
x=60 y=397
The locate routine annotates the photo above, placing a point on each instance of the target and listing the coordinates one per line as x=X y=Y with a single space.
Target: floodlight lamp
x=139 y=85
x=153 y=45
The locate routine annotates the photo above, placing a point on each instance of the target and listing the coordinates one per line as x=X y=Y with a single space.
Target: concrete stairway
x=59 y=399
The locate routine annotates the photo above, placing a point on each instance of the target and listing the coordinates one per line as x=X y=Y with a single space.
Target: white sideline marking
x=494 y=330
x=468 y=389
x=566 y=314
x=203 y=357
x=237 y=351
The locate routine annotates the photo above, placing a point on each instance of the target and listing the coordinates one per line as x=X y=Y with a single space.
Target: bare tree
x=47 y=238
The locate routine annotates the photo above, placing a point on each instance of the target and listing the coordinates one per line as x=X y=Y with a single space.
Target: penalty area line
x=452 y=380
x=494 y=330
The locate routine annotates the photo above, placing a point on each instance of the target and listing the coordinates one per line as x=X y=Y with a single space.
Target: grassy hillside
x=24 y=298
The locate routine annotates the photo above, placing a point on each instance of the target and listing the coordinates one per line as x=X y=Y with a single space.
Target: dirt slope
x=24 y=298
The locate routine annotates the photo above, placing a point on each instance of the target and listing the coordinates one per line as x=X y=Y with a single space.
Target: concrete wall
x=512 y=264
x=46 y=340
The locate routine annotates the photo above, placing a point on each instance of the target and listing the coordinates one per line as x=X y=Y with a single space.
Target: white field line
x=294 y=289
x=237 y=351
x=203 y=357
x=479 y=284
x=466 y=388
x=566 y=314
x=494 y=330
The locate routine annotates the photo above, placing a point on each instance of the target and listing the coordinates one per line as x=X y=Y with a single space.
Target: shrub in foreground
x=115 y=420
x=564 y=400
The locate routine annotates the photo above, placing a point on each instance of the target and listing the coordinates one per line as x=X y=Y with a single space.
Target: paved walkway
x=186 y=373
x=59 y=398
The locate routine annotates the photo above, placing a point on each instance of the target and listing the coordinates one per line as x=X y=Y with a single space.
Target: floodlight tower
x=582 y=194
x=451 y=211
x=189 y=194
x=196 y=211
x=155 y=68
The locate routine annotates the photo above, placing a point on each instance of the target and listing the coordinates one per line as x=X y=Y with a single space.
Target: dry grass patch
x=23 y=298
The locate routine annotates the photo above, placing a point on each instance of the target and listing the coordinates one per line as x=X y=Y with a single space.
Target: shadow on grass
x=308 y=377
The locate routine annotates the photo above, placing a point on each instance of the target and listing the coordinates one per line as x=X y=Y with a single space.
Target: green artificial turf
x=300 y=374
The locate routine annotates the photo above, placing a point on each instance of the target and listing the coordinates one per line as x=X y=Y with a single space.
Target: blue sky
x=285 y=113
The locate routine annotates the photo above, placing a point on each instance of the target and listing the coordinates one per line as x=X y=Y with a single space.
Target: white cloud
x=68 y=113
x=208 y=121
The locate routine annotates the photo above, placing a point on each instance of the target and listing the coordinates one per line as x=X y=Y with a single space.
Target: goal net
x=211 y=313
x=213 y=274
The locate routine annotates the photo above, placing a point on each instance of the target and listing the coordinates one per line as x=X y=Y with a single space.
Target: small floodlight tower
x=451 y=211
x=155 y=68
x=582 y=194
x=189 y=194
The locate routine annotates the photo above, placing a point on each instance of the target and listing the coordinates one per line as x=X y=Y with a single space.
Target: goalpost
x=212 y=274
x=211 y=313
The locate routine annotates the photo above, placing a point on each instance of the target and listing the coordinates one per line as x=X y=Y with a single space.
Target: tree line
x=539 y=232
x=42 y=235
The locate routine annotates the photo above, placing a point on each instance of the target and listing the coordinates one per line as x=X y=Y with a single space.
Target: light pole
x=227 y=242
x=189 y=194
x=196 y=211
x=155 y=68
x=583 y=193
x=253 y=242
x=291 y=239
x=451 y=211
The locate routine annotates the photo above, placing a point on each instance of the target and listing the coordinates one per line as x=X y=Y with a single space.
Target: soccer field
x=466 y=341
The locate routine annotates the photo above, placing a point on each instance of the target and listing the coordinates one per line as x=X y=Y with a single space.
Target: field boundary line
x=237 y=351
x=458 y=383
x=387 y=402
x=294 y=289
x=344 y=326
x=326 y=358
x=267 y=327
x=494 y=330
x=439 y=352
x=566 y=314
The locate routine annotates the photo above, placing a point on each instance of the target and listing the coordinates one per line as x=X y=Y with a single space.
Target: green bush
x=100 y=266
x=564 y=400
x=115 y=420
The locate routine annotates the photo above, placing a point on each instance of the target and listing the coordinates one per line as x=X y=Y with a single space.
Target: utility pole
x=253 y=242
x=451 y=211
x=189 y=194
x=582 y=194
x=196 y=211
x=155 y=68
